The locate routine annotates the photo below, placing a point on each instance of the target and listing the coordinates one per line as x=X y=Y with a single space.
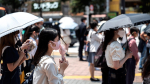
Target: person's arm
x=133 y=47
x=12 y=66
x=24 y=58
x=119 y=64
x=52 y=75
x=142 y=36
x=116 y=54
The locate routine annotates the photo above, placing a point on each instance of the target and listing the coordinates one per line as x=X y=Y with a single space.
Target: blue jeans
x=143 y=55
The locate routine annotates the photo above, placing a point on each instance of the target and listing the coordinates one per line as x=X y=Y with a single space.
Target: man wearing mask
x=132 y=62
x=82 y=29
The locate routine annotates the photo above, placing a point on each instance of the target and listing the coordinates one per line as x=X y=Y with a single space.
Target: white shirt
x=32 y=52
x=114 y=52
x=95 y=41
x=89 y=34
x=65 y=32
x=47 y=72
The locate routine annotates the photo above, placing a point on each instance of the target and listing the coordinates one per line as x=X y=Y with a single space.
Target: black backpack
x=29 y=80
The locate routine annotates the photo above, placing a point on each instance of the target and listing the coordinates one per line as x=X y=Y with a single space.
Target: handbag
x=99 y=59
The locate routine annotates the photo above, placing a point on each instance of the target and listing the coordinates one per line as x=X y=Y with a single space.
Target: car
x=2 y=12
x=55 y=25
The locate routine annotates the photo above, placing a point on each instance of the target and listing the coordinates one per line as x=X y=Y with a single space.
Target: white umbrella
x=16 y=21
x=66 y=19
x=69 y=25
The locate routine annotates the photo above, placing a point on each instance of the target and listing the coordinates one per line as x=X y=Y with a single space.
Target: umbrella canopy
x=126 y=20
x=100 y=25
x=16 y=21
x=66 y=19
x=70 y=25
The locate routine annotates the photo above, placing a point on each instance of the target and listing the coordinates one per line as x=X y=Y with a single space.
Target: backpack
x=99 y=59
x=30 y=79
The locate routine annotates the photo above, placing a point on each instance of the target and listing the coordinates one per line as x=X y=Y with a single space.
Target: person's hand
x=63 y=64
x=129 y=54
x=87 y=42
x=26 y=45
x=24 y=58
x=21 y=54
x=137 y=60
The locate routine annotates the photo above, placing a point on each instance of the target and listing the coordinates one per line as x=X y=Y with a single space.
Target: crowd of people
x=29 y=51
x=121 y=62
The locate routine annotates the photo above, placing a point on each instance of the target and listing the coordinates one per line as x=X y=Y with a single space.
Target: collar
x=32 y=38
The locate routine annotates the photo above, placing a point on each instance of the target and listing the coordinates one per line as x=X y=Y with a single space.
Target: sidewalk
x=78 y=72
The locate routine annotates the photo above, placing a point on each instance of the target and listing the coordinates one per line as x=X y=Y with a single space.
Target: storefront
x=131 y=6
x=51 y=9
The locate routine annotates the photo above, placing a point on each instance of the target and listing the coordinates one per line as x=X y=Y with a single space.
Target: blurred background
x=56 y=9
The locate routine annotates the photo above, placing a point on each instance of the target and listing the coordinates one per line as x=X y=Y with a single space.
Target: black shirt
x=10 y=55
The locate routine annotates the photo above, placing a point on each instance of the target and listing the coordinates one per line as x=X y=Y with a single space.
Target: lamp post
x=122 y=6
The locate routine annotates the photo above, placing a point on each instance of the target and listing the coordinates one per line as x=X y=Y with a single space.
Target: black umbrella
x=126 y=20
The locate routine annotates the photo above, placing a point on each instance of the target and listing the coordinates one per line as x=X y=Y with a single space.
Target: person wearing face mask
x=115 y=56
x=95 y=41
x=46 y=71
x=31 y=34
x=132 y=62
x=11 y=59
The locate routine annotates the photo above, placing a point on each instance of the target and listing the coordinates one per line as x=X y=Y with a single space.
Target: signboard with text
x=112 y=14
x=46 y=6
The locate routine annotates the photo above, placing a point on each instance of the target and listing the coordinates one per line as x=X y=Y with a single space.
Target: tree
x=14 y=3
x=79 y=5
x=145 y=6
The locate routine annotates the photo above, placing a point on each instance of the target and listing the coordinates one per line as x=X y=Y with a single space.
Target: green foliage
x=63 y=0
x=79 y=5
x=13 y=3
x=145 y=6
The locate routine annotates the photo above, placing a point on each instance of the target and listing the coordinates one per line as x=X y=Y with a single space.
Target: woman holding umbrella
x=11 y=59
x=115 y=56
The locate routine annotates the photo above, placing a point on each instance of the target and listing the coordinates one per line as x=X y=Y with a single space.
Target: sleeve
x=142 y=28
x=11 y=55
x=133 y=47
x=116 y=51
x=97 y=37
x=53 y=76
x=88 y=37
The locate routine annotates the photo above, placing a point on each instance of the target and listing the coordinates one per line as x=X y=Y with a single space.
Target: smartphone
x=62 y=59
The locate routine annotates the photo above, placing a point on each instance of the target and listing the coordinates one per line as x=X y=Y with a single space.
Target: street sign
x=91 y=9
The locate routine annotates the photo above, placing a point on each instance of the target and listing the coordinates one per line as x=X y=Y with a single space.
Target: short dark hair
x=93 y=24
x=134 y=29
x=82 y=19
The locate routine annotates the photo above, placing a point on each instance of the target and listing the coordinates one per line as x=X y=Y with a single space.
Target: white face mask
x=121 y=33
